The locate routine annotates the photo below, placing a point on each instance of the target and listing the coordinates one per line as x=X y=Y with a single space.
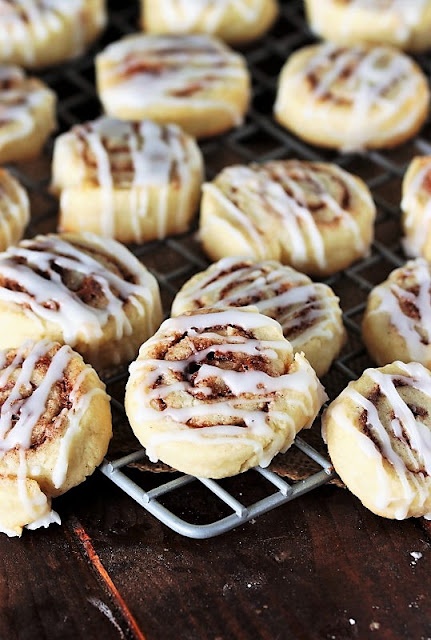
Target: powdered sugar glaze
x=375 y=81
x=136 y=156
x=302 y=307
x=405 y=443
x=247 y=390
x=171 y=70
x=36 y=265
x=185 y=15
x=19 y=415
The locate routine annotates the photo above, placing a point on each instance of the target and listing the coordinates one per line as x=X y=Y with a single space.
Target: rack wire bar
x=285 y=492
x=176 y=259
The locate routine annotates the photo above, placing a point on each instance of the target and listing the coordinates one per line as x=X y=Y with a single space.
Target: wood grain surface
x=321 y=567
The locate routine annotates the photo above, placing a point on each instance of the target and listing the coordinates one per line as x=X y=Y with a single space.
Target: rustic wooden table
x=320 y=567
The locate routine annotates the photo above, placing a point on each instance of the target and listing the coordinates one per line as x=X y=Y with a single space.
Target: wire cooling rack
x=184 y=503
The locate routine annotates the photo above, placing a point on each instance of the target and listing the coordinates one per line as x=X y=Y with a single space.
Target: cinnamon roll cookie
x=79 y=289
x=37 y=33
x=27 y=115
x=416 y=208
x=403 y=24
x=308 y=312
x=14 y=210
x=55 y=427
x=234 y=21
x=133 y=181
x=378 y=432
x=352 y=98
x=216 y=392
x=397 y=320
x=195 y=81
x=311 y=215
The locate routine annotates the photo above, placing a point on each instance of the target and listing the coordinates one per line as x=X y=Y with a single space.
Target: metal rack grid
x=176 y=259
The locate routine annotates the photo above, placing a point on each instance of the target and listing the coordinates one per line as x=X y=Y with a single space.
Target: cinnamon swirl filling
x=221 y=374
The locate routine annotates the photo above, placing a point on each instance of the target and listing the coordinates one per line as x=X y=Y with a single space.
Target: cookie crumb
x=374 y=626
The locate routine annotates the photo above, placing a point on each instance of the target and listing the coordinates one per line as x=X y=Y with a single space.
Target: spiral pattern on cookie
x=393 y=429
x=45 y=390
x=151 y=70
x=129 y=155
x=211 y=375
x=63 y=280
x=406 y=299
x=304 y=309
x=305 y=201
x=370 y=86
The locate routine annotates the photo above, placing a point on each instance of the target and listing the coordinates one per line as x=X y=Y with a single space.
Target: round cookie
x=234 y=21
x=378 y=432
x=79 y=289
x=133 y=181
x=403 y=24
x=14 y=210
x=311 y=215
x=217 y=392
x=27 y=110
x=416 y=208
x=397 y=320
x=55 y=427
x=195 y=81
x=308 y=312
x=354 y=98
x=38 y=33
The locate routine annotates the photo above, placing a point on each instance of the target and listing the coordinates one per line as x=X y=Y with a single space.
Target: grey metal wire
x=174 y=260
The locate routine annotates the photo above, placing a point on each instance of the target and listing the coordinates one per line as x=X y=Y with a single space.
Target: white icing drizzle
x=302 y=306
x=137 y=156
x=19 y=414
x=246 y=388
x=405 y=429
x=14 y=207
x=51 y=300
x=182 y=16
x=170 y=70
x=27 y=24
x=19 y=96
x=276 y=187
x=358 y=75
x=80 y=403
x=417 y=224
x=409 y=13
x=415 y=331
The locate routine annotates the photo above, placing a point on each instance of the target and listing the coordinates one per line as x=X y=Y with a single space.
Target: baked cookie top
x=26 y=23
x=19 y=96
x=79 y=281
x=223 y=375
x=115 y=154
x=142 y=70
x=371 y=85
x=305 y=201
x=406 y=297
x=302 y=307
x=385 y=416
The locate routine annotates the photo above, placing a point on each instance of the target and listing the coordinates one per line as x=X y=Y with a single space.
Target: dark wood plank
x=319 y=567
x=47 y=590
